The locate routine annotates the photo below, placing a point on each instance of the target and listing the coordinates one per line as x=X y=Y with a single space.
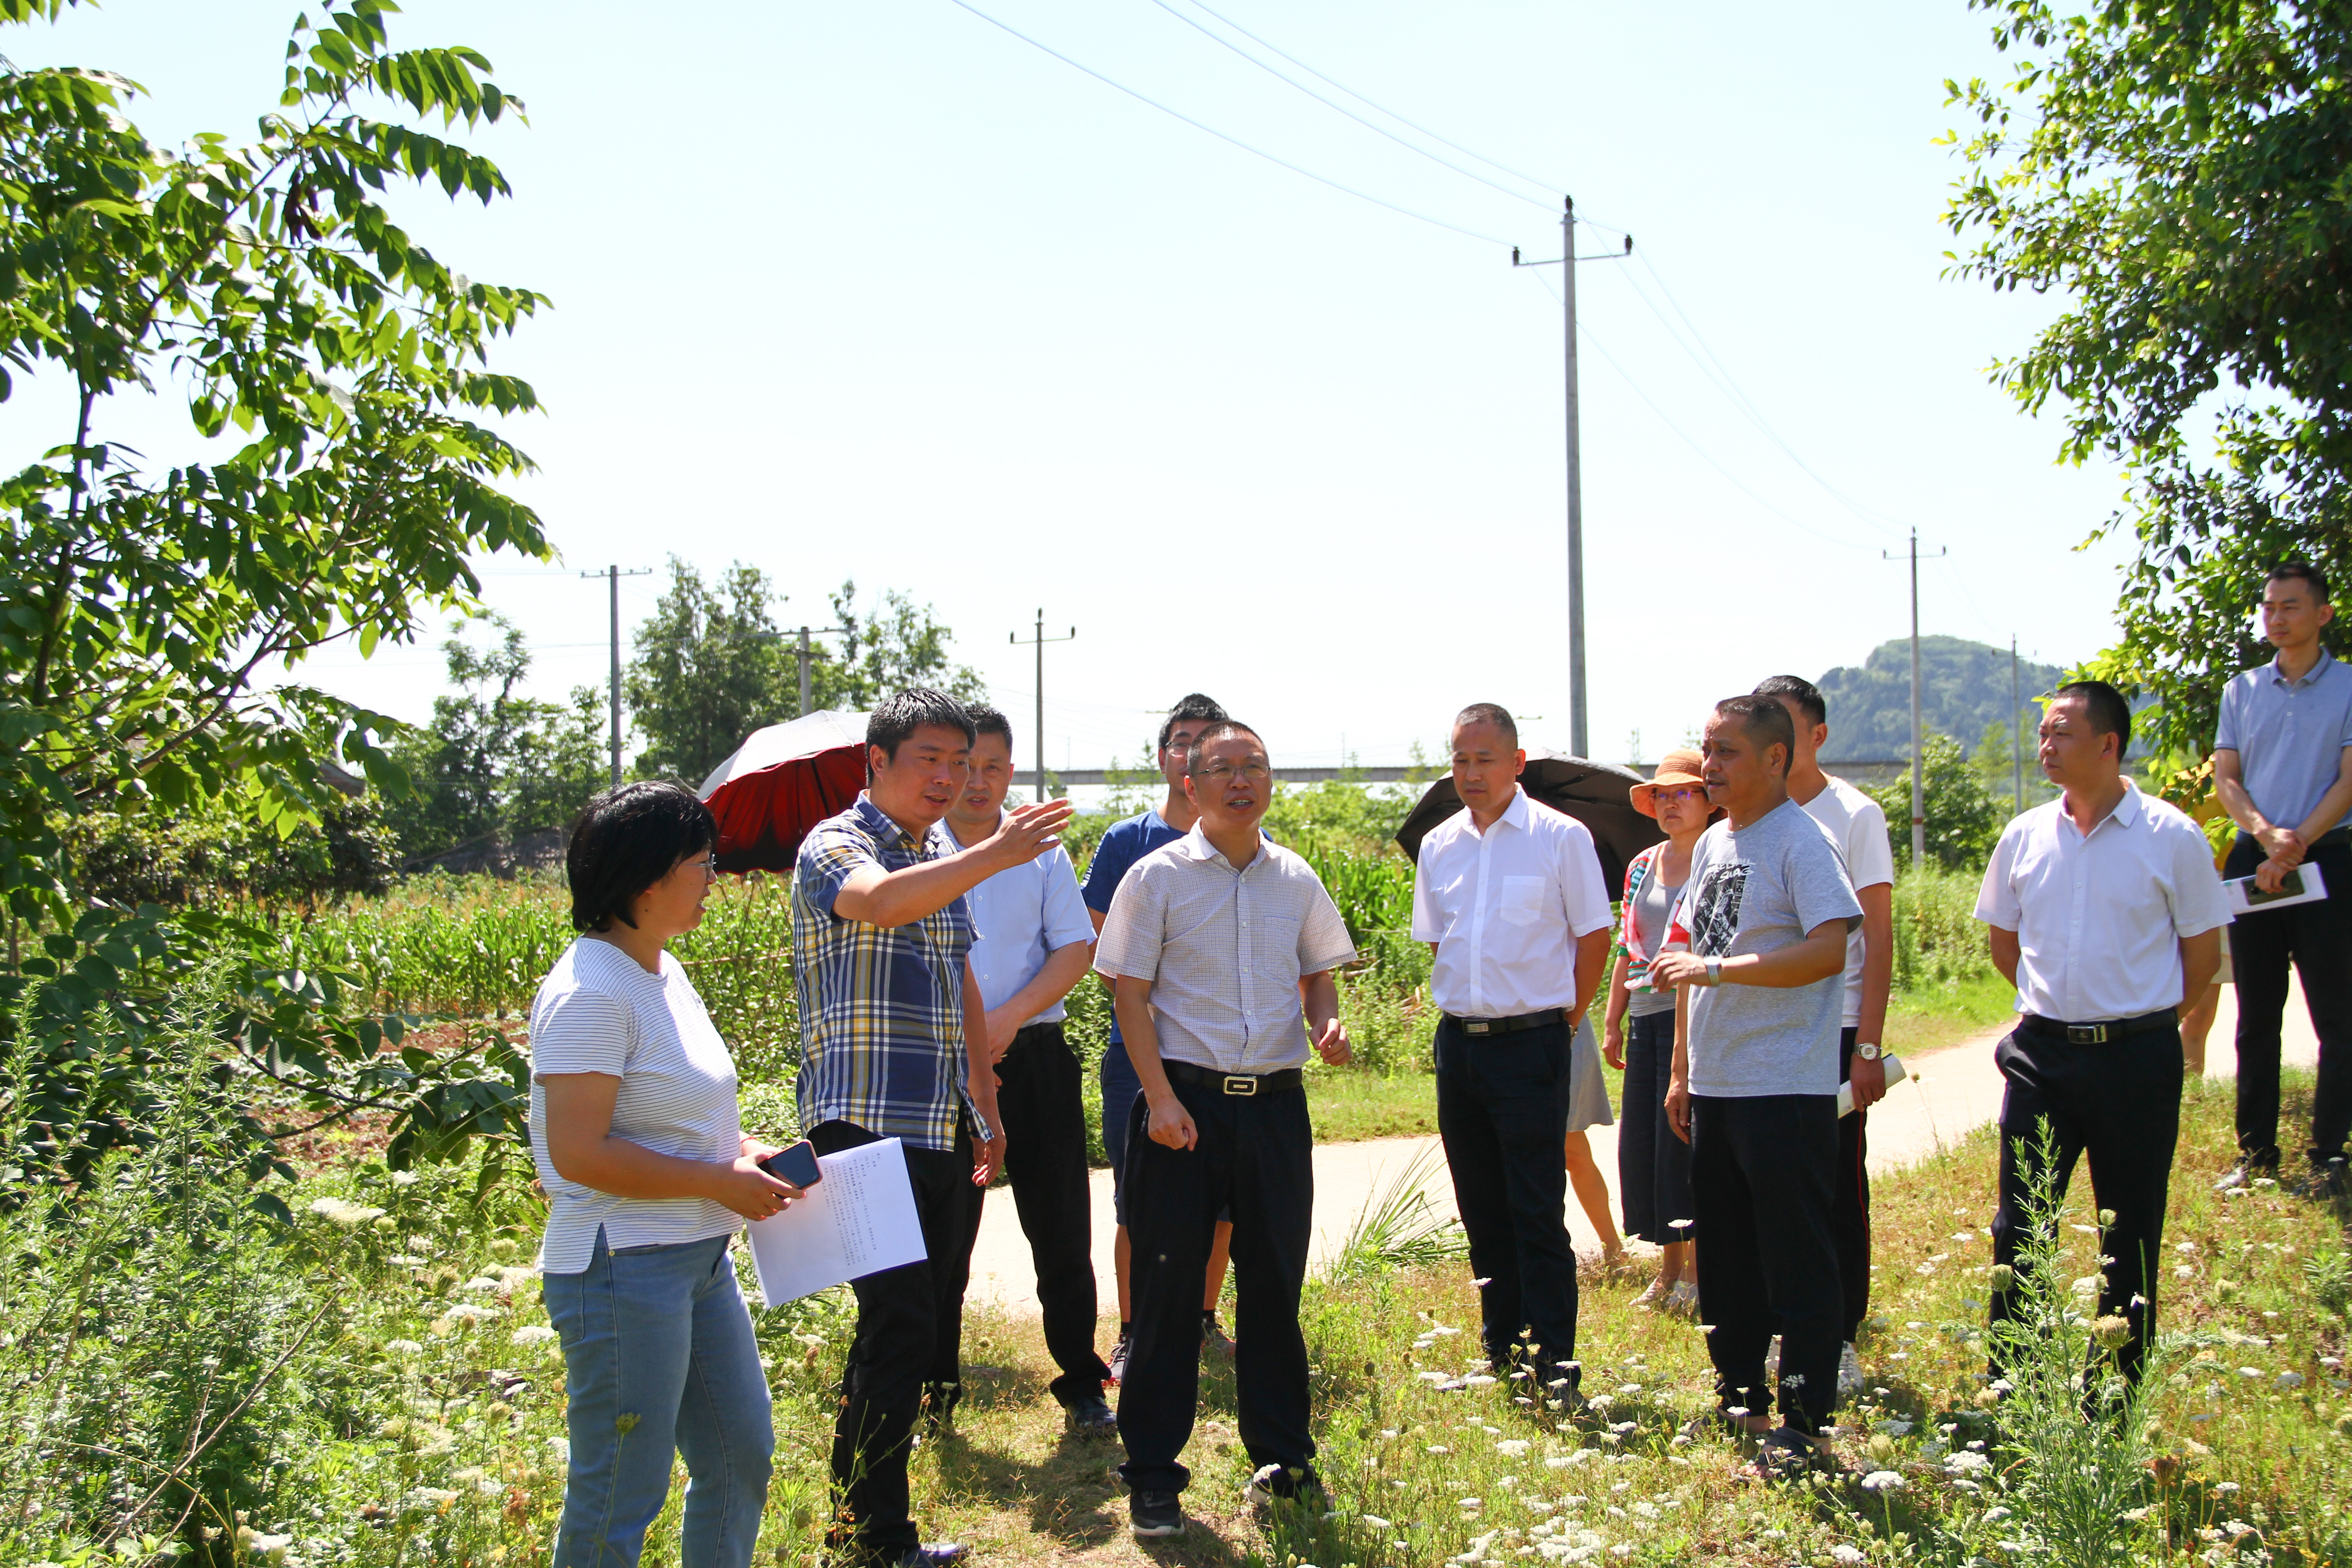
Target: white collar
x=1516 y=814
x=1195 y=846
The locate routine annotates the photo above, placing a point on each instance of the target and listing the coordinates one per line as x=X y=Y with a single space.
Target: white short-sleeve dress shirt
x=1858 y=826
x=1022 y=916
x=1225 y=951
x=1505 y=908
x=2099 y=917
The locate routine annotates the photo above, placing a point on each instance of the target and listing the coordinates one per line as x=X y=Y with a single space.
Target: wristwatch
x=1715 y=971
x=1867 y=1051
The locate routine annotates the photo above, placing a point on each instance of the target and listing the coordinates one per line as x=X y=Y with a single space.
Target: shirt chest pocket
x=1524 y=898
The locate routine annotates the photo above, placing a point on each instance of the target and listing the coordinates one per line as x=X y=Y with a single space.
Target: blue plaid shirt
x=881 y=1006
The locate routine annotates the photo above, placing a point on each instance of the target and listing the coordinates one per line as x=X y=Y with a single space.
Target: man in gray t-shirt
x=1760 y=955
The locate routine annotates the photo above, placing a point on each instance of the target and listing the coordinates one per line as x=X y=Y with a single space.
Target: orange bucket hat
x=1676 y=767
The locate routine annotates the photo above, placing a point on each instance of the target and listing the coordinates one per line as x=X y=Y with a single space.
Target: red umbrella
x=781 y=782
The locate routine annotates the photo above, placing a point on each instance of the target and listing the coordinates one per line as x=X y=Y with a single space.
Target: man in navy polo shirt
x=1126 y=843
x=2283 y=767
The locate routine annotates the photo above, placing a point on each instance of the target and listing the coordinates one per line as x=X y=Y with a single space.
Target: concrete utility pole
x=1041 y=639
x=806 y=632
x=1578 y=713
x=1919 y=740
x=613 y=575
x=2016 y=730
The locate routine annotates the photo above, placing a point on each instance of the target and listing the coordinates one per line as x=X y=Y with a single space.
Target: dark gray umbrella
x=1595 y=794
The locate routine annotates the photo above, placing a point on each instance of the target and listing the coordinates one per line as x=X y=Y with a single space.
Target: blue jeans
x=659 y=1359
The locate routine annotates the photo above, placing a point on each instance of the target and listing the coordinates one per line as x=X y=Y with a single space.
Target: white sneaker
x=1849 y=1372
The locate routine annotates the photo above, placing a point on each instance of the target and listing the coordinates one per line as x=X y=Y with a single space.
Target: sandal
x=1682 y=1300
x=1655 y=1295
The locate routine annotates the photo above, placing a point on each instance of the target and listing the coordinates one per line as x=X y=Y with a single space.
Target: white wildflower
x=1842 y=1552
x=1882 y=1482
x=532 y=1334
x=1513 y=1447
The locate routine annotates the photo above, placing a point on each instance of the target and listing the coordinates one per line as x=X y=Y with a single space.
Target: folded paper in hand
x=1894 y=1075
x=2304 y=885
x=858 y=1221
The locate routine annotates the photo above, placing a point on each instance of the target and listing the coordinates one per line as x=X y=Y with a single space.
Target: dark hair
x=1193 y=705
x=1797 y=690
x=2299 y=571
x=896 y=718
x=987 y=720
x=626 y=840
x=2104 y=707
x=1766 y=724
x=1216 y=731
x=1493 y=713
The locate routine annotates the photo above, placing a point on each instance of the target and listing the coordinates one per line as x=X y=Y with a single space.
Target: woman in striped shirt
x=649 y=1175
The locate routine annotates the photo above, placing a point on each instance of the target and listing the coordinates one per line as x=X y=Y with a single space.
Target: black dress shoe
x=1090 y=1415
x=1154 y=1515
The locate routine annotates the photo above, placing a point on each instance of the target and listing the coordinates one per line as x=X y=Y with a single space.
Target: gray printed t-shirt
x=1760 y=890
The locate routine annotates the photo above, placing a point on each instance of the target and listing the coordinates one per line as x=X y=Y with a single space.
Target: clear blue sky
x=879 y=291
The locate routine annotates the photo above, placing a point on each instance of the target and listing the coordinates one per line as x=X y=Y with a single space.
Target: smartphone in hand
x=796 y=1164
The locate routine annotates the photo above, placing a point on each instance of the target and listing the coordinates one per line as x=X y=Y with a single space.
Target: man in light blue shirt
x=1034 y=941
x=2282 y=768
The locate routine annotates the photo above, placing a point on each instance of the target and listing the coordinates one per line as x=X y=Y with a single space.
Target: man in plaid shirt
x=880 y=939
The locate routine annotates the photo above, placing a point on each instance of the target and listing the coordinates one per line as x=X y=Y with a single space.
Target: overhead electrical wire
x=1340 y=108
x=1221 y=136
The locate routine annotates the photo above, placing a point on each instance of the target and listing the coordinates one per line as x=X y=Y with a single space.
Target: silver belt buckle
x=1470 y=1028
x=2086 y=1034
x=1239 y=1083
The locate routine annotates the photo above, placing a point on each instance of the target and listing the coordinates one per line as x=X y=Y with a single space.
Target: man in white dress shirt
x=1509 y=894
x=1214 y=942
x=1034 y=939
x=2106 y=912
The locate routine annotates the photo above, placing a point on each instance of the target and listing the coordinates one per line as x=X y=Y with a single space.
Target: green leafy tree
x=493 y=764
x=340 y=370
x=710 y=666
x=221 y=851
x=1963 y=821
x=2175 y=174
x=891 y=646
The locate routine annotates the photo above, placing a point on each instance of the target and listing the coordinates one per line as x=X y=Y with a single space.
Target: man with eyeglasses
x=1509 y=896
x=1126 y=843
x=1222 y=947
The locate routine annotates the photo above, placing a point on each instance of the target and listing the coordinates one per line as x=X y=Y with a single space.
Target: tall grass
x=1939 y=942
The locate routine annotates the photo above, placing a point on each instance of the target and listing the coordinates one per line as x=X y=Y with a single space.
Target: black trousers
x=1763 y=1172
x=909 y=1331
x=1038 y=1087
x=1255 y=1153
x=2318 y=938
x=1502 y=1111
x=1653 y=1163
x=2119 y=1104
x=1850 y=1208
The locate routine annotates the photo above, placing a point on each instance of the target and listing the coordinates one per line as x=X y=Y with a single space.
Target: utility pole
x=1041 y=639
x=1578 y=711
x=613 y=575
x=1918 y=741
x=2016 y=729
x=806 y=632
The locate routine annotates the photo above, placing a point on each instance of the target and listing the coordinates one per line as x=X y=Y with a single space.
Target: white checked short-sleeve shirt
x=1225 y=951
x=1505 y=908
x=2099 y=917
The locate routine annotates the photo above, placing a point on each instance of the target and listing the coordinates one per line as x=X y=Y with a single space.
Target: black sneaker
x=1118 y=1363
x=1154 y=1515
x=1215 y=1337
x=2324 y=1184
x=931 y=1554
x=939 y=1400
x=1090 y=1415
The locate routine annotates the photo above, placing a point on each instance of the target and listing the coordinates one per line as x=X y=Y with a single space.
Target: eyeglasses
x=1221 y=773
x=708 y=866
x=1685 y=793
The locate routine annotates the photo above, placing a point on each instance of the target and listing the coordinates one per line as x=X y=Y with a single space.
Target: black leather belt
x=2105 y=1032
x=1549 y=1015
x=1244 y=1084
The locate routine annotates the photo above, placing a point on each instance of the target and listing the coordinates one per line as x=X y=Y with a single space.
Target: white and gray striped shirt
x=1225 y=951
x=599 y=1011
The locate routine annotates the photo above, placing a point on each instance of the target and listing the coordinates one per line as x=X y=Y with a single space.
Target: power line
x=1393 y=114
x=1221 y=136
x=1342 y=108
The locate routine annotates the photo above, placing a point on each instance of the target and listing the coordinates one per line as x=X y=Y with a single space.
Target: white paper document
x=2304 y=885
x=859 y=1220
x=1894 y=1075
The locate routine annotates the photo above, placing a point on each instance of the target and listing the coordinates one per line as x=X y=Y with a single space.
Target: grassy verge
x=1934 y=1016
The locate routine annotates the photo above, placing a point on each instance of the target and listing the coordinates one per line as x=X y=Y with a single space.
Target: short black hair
x=1217 y=731
x=626 y=840
x=1493 y=713
x=2299 y=571
x=1191 y=705
x=1766 y=724
x=896 y=718
x=2104 y=707
x=987 y=720
x=1798 y=691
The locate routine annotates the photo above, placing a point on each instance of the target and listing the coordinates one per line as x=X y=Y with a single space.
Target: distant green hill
x=1964 y=687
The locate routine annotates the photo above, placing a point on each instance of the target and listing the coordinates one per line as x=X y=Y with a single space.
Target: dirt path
x=1950 y=1092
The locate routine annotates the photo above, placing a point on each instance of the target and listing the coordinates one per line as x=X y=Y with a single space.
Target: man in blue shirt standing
x=2282 y=768
x=1122 y=846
